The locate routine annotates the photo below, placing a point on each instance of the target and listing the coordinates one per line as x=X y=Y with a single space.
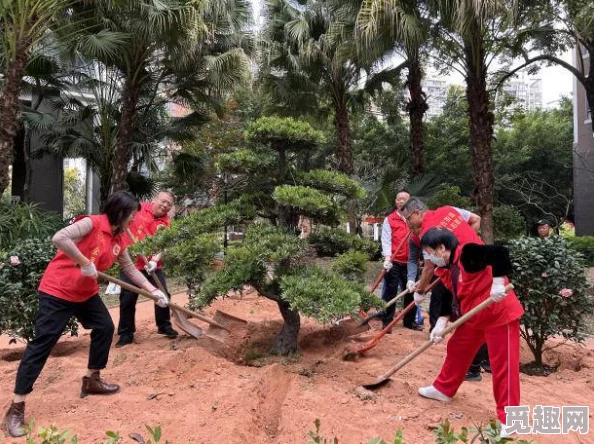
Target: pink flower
x=14 y=261
x=545 y=275
x=566 y=292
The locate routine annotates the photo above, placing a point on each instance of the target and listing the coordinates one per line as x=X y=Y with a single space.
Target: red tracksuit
x=498 y=324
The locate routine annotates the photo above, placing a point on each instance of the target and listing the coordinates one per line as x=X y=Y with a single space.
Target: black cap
x=543 y=222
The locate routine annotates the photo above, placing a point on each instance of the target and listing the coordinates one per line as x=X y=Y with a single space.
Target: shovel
x=361 y=326
x=351 y=354
x=382 y=380
x=179 y=319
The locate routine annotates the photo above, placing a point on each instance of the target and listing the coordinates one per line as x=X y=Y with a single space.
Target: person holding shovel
x=473 y=273
x=465 y=225
x=395 y=232
x=151 y=217
x=69 y=288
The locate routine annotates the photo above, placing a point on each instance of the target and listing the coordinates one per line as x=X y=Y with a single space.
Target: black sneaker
x=486 y=366
x=124 y=340
x=473 y=377
x=169 y=332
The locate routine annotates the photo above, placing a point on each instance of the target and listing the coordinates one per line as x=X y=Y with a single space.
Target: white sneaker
x=432 y=393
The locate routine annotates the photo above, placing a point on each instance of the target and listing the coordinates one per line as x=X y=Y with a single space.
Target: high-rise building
x=526 y=92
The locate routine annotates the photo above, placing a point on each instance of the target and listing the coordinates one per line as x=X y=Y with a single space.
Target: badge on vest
x=116 y=249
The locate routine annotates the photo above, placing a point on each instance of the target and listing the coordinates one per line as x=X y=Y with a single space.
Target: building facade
x=583 y=158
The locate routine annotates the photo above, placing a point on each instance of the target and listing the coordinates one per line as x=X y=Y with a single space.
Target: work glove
x=89 y=270
x=436 y=335
x=150 y=267
x=498 y=289
x=420 y=297
x=410 y=286
x=162 y=302
x=387 y=265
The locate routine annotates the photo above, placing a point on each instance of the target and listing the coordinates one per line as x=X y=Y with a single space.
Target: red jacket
x=474 y=288
x=62 y=277
x=146 y=224
x=400 y=231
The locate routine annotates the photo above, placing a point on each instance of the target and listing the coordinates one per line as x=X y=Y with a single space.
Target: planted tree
x=276 y=192
x=549 y=279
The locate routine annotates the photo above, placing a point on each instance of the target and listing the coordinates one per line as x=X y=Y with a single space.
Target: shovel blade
x=378 y=383
x=235 y=328
x=186 y=325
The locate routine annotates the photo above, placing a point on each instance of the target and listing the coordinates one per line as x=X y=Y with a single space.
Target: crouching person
x=474 y=273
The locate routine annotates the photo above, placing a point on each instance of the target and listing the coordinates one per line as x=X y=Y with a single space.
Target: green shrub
x=584 y=245
x=508 y=223
x=550 y=282
x=449 y=195
x=19 y=302
x=20 y=221
x=351 y=265
x=334 y=242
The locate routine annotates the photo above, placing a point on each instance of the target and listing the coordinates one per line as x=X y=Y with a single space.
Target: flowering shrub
x=20 y=273
x=550 y=282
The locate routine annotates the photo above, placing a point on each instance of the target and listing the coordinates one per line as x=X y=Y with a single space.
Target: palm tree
x=166 y=40
x=311 y=58
x=403 y=24
x=24 y=27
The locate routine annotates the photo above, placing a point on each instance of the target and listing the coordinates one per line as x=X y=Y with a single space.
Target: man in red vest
x=395 y=232
x=151 y=217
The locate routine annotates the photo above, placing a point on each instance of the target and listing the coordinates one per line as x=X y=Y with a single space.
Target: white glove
x=498 y=289
x=421 y=297
x=150 y=267
x=410 y=286
x=387 y=265
x=163 y=301
x=436 y=335
x=89 y=270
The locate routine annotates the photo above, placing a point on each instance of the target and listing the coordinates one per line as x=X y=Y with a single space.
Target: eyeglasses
x=408 y=217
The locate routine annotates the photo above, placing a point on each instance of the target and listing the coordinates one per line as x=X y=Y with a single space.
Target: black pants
x=441 y=305
x=127 y=324
x=394 y=283
x=54 y=314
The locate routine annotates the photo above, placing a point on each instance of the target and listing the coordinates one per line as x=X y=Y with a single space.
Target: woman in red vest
x=474 y=273
x=69 y=288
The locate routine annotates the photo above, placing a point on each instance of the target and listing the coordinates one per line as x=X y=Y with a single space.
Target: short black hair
x=437 y=236
x=119 y=206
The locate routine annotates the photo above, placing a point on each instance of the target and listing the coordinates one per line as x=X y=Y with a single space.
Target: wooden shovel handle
x=135 y=289
x=461 y=320
x=160 y=285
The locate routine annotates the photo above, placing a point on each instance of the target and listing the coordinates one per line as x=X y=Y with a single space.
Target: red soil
x=199 y=396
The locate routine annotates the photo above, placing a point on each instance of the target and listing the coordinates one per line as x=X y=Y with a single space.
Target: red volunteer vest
x=474 y=288
x=400 y=230
x=448 y=217
x=146 y=224
x=62 y=277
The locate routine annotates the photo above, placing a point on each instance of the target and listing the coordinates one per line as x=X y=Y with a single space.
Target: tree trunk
x=345 y=153
x=416 y=107
x=28 y=166
x=286 y=341
x=9 y=110
x=481 y=133
x=123 y=150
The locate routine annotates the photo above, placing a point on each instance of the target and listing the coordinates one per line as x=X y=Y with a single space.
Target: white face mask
x=437 y=261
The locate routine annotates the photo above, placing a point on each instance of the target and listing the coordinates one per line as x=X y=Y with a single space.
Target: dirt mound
x=201 y=394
